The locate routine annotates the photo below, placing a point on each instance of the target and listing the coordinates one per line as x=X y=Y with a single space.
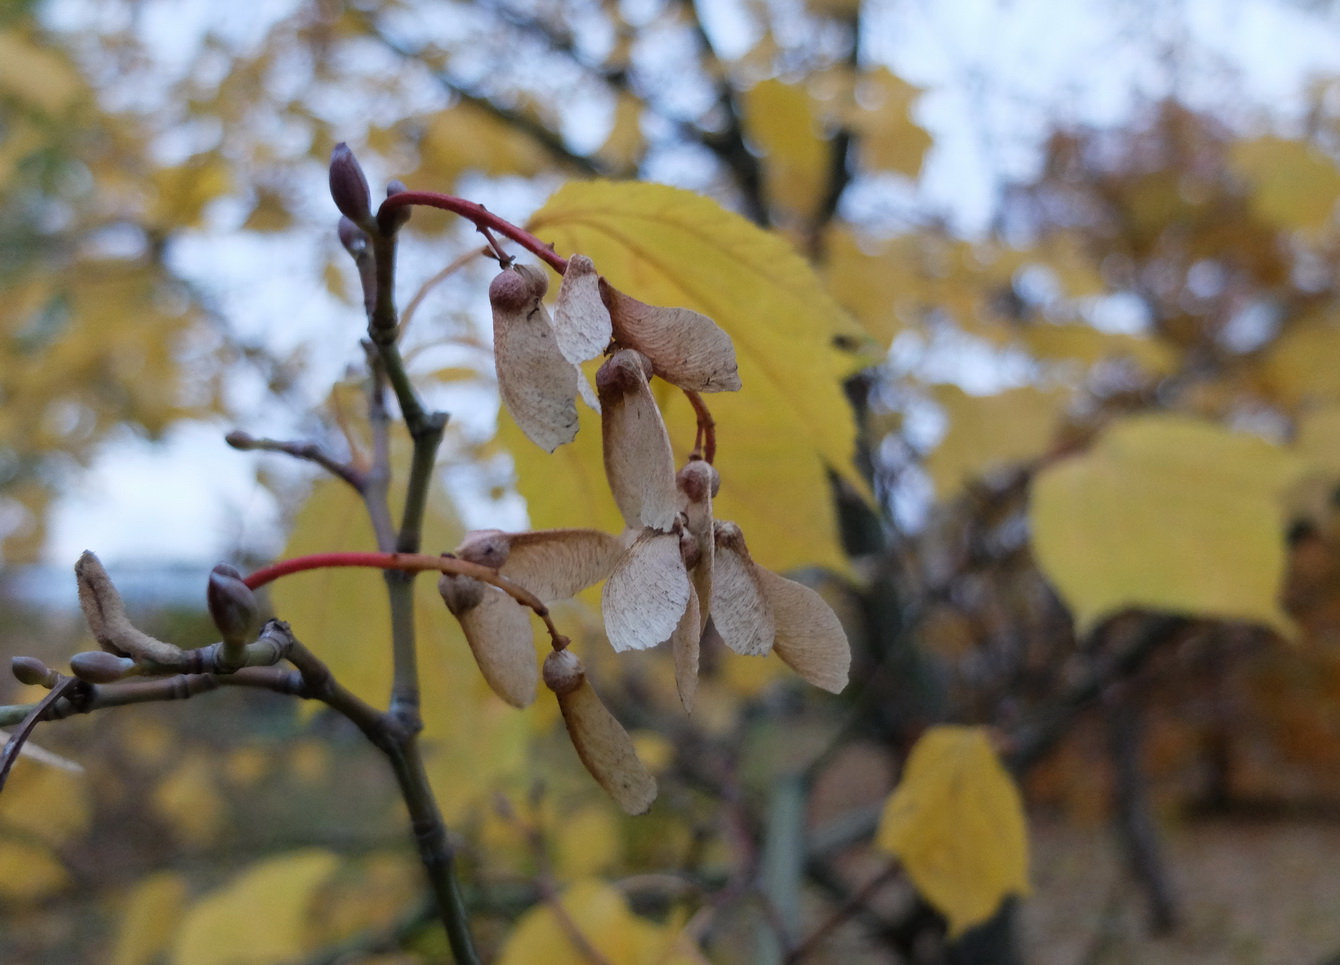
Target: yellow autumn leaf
x=1317 y=438
x=956 y=822
x=1166 y=513
x=45 y=803
x=791 y=421
x=587 y=841
x=188 y=800
x=601 y=916
x=881 y=115
x=1304 y=363
x=1293 y=184
x=149 y=919
x=182 y=192
x=780 y=121
x=624 y=144
x=1087 y=346
x=29 y=872
x=259 y=918
x=36 y=74
x=989 y=432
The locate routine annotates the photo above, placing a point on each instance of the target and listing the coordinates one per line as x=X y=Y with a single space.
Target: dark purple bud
x=240 y=440
x=30 y=671
x=232 y=605
x=348 y=185
x=353 y=238
x=100 y=667
x=391 y=220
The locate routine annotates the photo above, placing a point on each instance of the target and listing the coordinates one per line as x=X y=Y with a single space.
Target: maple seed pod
x=556 y=564
x=30 y=671
x=563 y=672
x=739 y=609
x=499 y=633
x=232 y=604
x=581 y=320
x=487 y=547
x=460 y=593
x=348 y=185
x=537 y=384
x=391 y=220
x=100 y=667
x=639 y=460
x=687 y=348
x=601 y=742
x=810 y=639
x=646 y=595
x=353 y=238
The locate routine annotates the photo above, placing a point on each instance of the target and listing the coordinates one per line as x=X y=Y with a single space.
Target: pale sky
x=995 y=73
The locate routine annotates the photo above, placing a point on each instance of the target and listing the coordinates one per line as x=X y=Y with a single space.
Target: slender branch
x=853 y=904
x=426 y=442
x=307 y=451
x=36 y=715
x=435 y=849
x=481 y=217
x=377 y=481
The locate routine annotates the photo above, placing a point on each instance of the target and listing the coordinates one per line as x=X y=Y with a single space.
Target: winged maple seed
x=552 y=564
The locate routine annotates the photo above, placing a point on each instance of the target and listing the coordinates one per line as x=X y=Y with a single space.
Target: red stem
x=707 y=427
x=412 y=563
x=482 y=218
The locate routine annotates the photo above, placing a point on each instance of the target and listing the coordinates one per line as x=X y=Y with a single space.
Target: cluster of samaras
x=676 y=575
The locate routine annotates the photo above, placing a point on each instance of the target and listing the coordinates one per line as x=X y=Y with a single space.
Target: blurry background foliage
x=1087 y=456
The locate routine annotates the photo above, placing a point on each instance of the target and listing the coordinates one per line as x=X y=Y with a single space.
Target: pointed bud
x=30 y=671
x=687 y=348
x=391 y=220
x=100 y=667
x=646 y=595
x=538 y=386
x=238 y=439
x=742 y=615
x=499 y=633
x=353 y=238
x=639 y=460
x=581 y=320
x=600 y=741
x=810 y=638
x=232 y=605
x=349 y=186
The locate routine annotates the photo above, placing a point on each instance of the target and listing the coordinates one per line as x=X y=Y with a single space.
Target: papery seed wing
x=686 y=348
x=639 y=462
x=498 y=631
x=538 y=385
x=606 y=749
x=556 y=564
x=684 y=648
x=739 y=610
x=810 y=638
x=581 y=320
x=647 y=593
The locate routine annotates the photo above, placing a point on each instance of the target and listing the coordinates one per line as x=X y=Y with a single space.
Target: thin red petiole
x=410 y=563
x=482 y=217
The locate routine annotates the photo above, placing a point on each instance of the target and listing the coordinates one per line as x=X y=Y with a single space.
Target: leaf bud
x=232 y=605
x=240 y=440
x=100 y=667
x=563 y=672
x=353 y=238
x=487 y=547
x=460 y=593
x=391 y=220
x=349 y=186
x=30 y=671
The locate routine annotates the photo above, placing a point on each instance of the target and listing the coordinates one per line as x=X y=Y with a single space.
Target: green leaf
x=791 y=420
x=956 y=821
x=1166 y=513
